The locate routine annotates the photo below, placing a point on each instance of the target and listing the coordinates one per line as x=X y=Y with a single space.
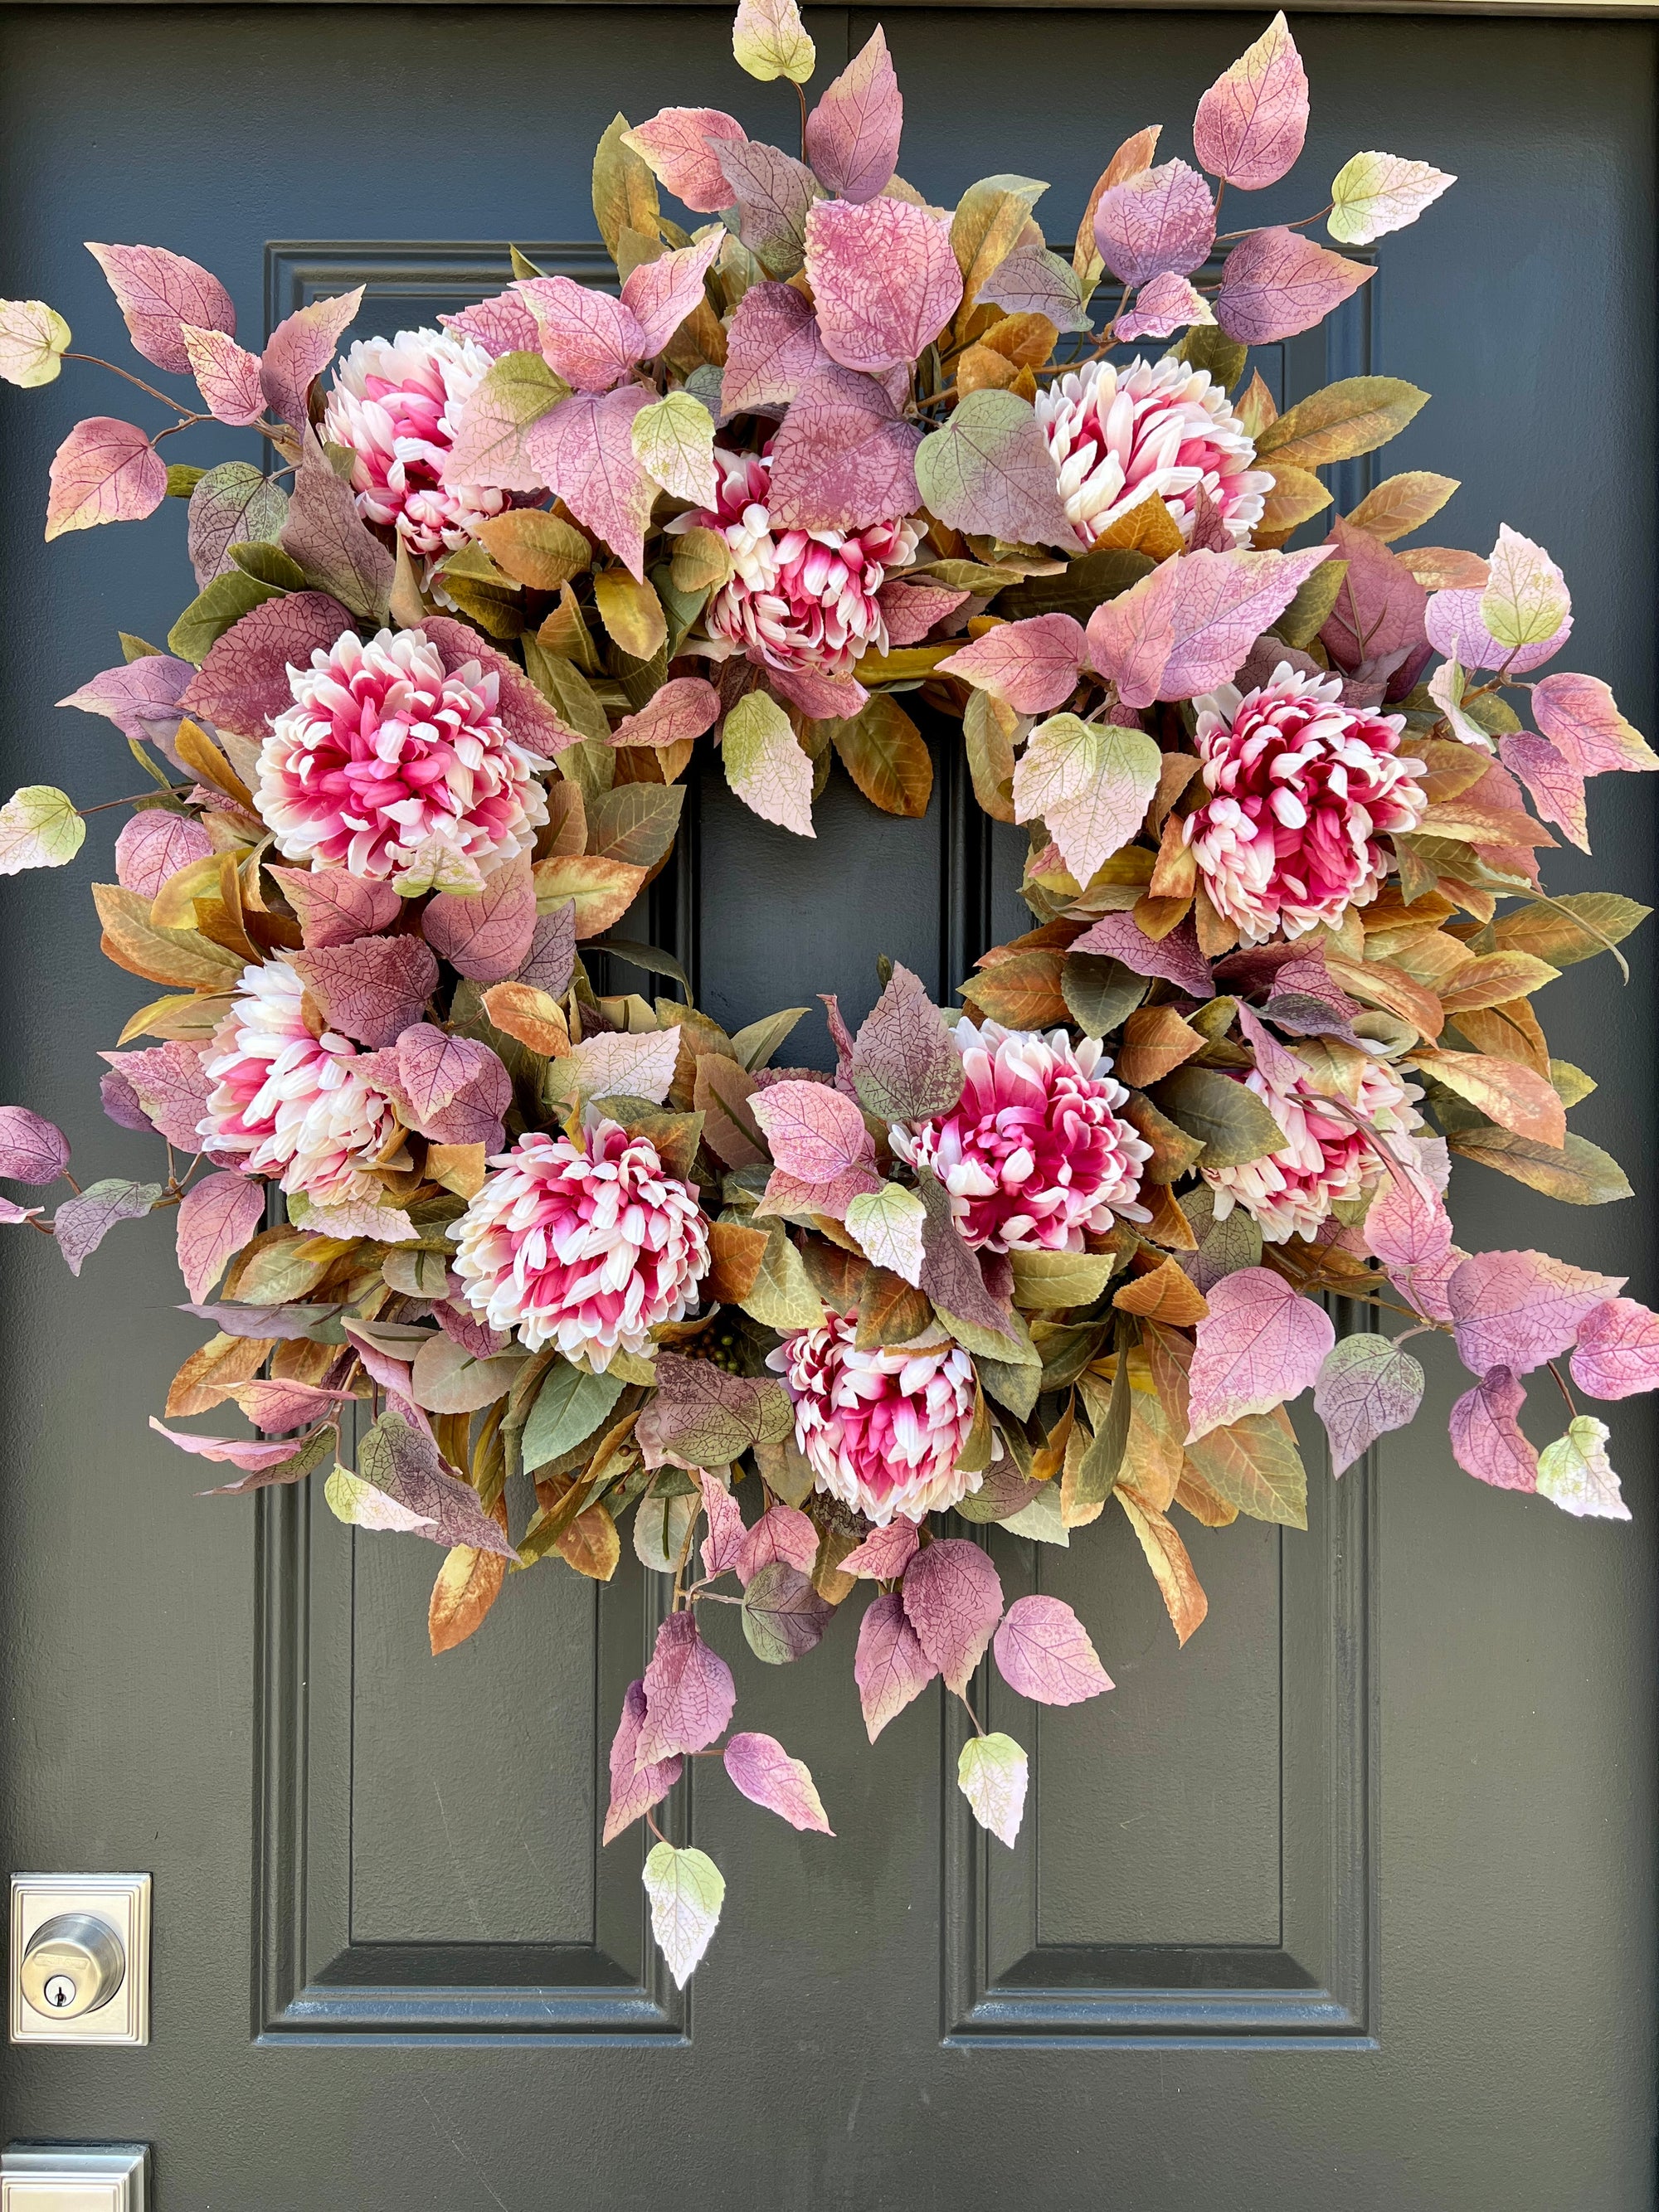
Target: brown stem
x=98 y=361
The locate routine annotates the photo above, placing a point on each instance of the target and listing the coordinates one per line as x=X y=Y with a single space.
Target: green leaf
x=40 y=827
x=1310 y=609
x=183 y=478
x=269 y=564
x=990 y=221
x=651 y=957
x=782 y=1296
x=674 y=444
x=569 y=1408
x=1097 y=1471
x=1100 y=992
x=754 y=1045
x=1228 y=1118
x=768 y=41
x=1079 y=588
x=991 y=1774
x=1567 y=930
x=212 y=612
x=886 y=756
x=1352 y=416
x=686 y=1890
x=1254 y=1465
x=764 y=763
x=1052 y=1280
x=32 y=336
x=1580 y=1173
x=624 y=190
x=563 y=682
x=1206 y=345
x=534 y=548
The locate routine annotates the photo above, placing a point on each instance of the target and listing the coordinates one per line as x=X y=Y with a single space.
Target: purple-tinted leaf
x=815 y=1134
x=1364 y=1389
x=32 y=1150
x=891 y=1668
x=324 y=532
x=447 y=1379
x=843 y=459
x=305 y=1455
x=227 y=376
x=634 y=1788
x=1408 y=1226
x=1517 y=1309
x=720 y=1547
x=1426 y=1286
x=1556 y=788
x=299 y=350
x=782 y=1533
x=474 y=1334
x=688 y=1693
x=910 y=611
x=989 y=472
x=1043 y=1651
x=1169 y=303
x=661 y=293
x=885 y=279
x=852 y=134
x=170 y=1083
x=551 y=959
x=385 y=1367
x=154 y=846
x=105 y=470
x=674 y=146
x=233 y=505
x=404 y=1463
x=772 y=350
x=951 y=1273
x=1031 y=281
x=772 y=192
x=1455 y=628
x=585 y=451
x=1579 y=716
x=277 y=1408
x=233 y=1451
x=904 y=1061
x=1380 y=605
x=491 y=442
x=216 y=1217
x=763 y=1770
x=1032 y=664
x=1251 y=123
x=501 y=324
x=684 y=708
x=1176 y=957
x=244 y=680
x=589 y=338
x=120 y=1103
x=157 y=293
x=1616 y=1354
x=1487 y=1439
x=884 y=1554
x=471 y=1113
x=1158 y=222
x=485 y=935
x=953 y=1600
x=141 y=698
x=821 y=699
x=783 y=1616
x=1258 y=1345
x=82 y=1222
x=526 y=715
x=434 y=1067
x=373 y=988
x=1221 y=604
x=336 y=909
x=1275 y=283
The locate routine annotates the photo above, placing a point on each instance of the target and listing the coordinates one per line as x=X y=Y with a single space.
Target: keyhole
x=59 y=1992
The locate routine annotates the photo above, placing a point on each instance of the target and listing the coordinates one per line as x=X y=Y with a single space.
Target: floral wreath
x=416 y=746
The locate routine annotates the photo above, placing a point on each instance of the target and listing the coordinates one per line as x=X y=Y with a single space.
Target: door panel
x=1350 y=1902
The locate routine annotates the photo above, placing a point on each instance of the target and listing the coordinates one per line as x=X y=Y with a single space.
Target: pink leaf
x=813 y=1132
x=105 y=470
x=552 y=957
x=1616 y=1354
x=988 y=472
x=885 y=279
x=1043 y=1651
x=661 y=293
x=485 y=934
x=392 y=1374
x=724 y=1542
x=953 y=1601
x=434 y=1067
x=1169 y=303
x=1176 y=957
x=773 y=193
x=141 y=698
x=634 y=1788
x=1280 y=1067
x=852 y=134
x=332 y=907
x=904 y=1061
x=278 y=1408
x=1408 y=1225
x=618 y=1066
x=1380 y=605
x=157 y=293
x=470 y=1113
x=1453 y=621
x=153 y=848
x=763 y=1770
x=1487 y=1439
x=299 y=350
x=584 y=448
x=1031 y=281
x=1251 y=123
x=402 y=1460
x=821 y=699
x=772 y=350
x=910 y=611
x=233 y=1451
x=1132 y=637
x=688 y=1693
x=1365 y=1388
x=463 y=1326
x=373 y=988
x=1032 y=664
x=32 y=1150
x=787 y=1193
x=884 y=1556
x=1258 y=1345
x=82 y=1222
x=526 y=715
x=1517 y=1309
x=500 y=324
x=1212 y=606
x=1579 y=715
x=1426 y=1286
x=1275 y=283
x=684 y=708
x=891 y=1668
x=843 y=460
x=227 y=376
x=782 y=1533
x=1556 y=788
x=1159 y=222
x=216 y=1217
x=170 y=1083
x=674 y=145
x=244 y=680
x=589 y=338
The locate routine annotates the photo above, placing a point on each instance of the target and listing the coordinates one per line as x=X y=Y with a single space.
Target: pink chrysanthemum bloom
x=1117 y=435
x=389 y=768
x=1324 y=1159
x=589 y=1247
x=396 y=406
x=796 y=599
x=1301 y=789
x=1033 y=1153
x=881 y=1429
x=292 y=1100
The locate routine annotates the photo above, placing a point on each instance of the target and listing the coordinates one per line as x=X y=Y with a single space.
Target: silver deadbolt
x=74 y=1963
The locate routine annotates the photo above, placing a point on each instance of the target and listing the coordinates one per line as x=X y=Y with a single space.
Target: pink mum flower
x=1324 y=1159
x=589 y=1247
x=797 y=598
x=1033 y=1153
x=388 y=767
x=1301 y=789
x=292 y=1100
x=395 y=406
x=881 y=1429
x=1119 y=434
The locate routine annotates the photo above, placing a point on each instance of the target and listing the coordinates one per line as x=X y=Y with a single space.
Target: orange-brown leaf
x=532 y=1016
x=469 y=1583
x=1514 y=1097
x=1167 y=1294
x=209 y=1375
x=735 y=1252
x=1023 y=991
x=1172 y=1569
x=1156 y=1041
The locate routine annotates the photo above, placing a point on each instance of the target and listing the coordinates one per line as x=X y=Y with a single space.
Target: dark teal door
x=1351 y=1902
